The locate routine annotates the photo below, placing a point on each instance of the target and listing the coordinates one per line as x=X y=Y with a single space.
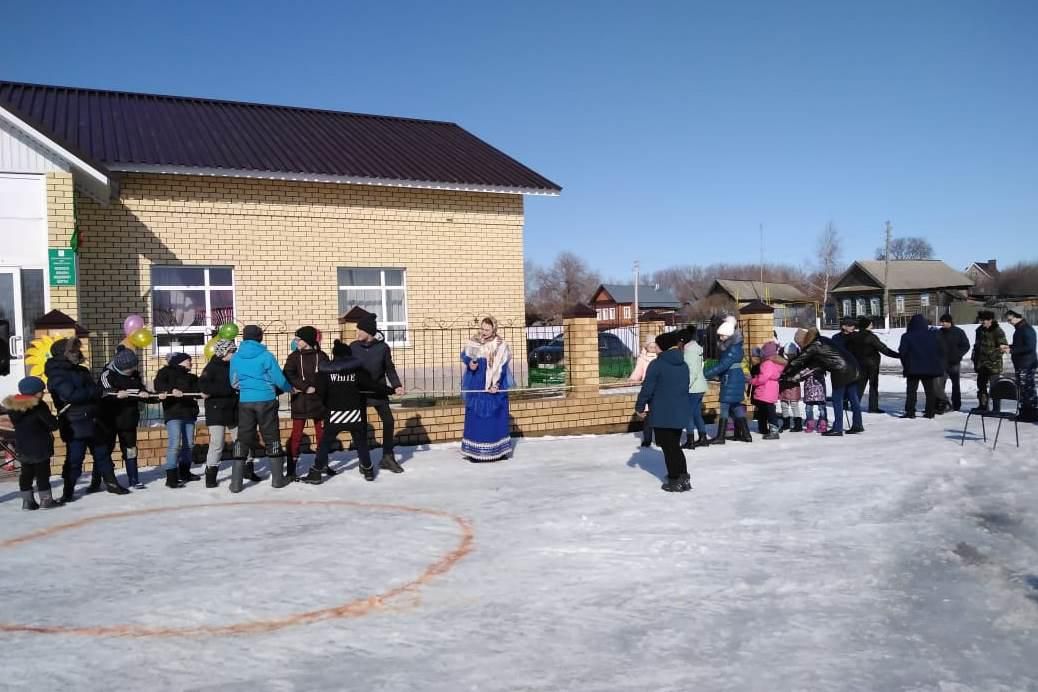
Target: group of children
x=96 y=414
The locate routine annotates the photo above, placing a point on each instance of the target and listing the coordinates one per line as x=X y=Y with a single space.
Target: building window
x=874 y=307
x=627 y=312
x=612 y=314
x=860 y=306
x=382 y=292
x=188 y=304
x=846 y=307
x=601 y=314
x=924 y=300
x=899 y=302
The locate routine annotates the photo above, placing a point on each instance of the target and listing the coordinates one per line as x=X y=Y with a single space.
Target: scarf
x=496 y=353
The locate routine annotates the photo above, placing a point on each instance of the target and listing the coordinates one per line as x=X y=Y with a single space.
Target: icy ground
x=892 y=561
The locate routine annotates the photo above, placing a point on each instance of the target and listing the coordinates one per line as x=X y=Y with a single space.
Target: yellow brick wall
x=463 y=252
x=61 y=222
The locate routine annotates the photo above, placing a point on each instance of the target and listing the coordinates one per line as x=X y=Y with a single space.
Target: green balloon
x=228 y=330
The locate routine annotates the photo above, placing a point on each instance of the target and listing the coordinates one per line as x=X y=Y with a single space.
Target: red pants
x=298 y=424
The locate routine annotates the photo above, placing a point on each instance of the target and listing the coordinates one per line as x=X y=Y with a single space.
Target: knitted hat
x=727 y=328
x=769 y=349
x=985 y=315
x=340 y=349
x=864 y=323
x=368 y=324
x=666 y=341
x=30 y=386
x=307 y=334
x=125 y=360
x=177 y=358
x=223 y=347
x=252 y=332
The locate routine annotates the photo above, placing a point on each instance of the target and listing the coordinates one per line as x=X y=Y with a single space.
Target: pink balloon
x=132 y=323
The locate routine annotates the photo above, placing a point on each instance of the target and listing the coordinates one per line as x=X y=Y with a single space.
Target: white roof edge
x=49 y=144
x=323 y=178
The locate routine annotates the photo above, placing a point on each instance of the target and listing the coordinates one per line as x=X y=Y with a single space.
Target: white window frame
x=208 y=329
x=848 y=304
x=627 y=312
x=385 y=326
x=611 y=312
x=899 y=302
x=875 y=306
x=860 y=305
x=924 y=300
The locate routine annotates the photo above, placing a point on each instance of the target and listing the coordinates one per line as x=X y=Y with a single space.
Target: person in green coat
x=987 y=355
x=693 y=354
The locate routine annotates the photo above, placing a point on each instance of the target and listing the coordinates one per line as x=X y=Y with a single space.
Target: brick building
x=192 y=212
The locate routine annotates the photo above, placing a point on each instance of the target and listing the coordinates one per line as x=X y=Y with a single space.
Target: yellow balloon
x=142 y=338
x=210 y=347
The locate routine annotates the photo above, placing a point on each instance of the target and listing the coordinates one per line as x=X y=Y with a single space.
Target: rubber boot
x=249 y=470
x=742 y=430
x=722 y=427
x=173 y=479
x=210 y=476
x=29 y=501
x=276 y=455
x=47 y=500
x=238 y=475
x=390 y=463
x=185 y=473
x=112 y=483
x=798 y=425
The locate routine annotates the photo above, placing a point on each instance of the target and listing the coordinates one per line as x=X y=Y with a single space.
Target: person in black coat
x=301 y=371
x=34 y=427
x=374 y=353
x=867 y=349
x=345 y=385
x=177 y=387
x=922 y=360
x=956 y=345
x=821 y=354
x=120 y=414
x=1025 y=361
x=77 y=398
x=221 y=408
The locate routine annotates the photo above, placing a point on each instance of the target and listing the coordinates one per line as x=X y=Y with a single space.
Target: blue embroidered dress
x=487 y=431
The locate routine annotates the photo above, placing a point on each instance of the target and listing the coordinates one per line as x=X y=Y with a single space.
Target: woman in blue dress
x=484 y=386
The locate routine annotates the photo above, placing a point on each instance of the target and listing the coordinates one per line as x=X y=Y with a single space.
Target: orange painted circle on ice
x=351 y=609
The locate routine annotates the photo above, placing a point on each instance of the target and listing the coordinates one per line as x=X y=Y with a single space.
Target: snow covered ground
x=897 y=560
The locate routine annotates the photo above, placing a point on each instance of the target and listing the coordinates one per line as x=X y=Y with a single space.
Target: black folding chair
x=1002 y=389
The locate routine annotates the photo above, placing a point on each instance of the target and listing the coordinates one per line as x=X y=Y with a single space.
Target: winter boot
x=132 y=475
x=185 y=473
x=677 y=484
x=47 y=500
x=823 y=426
x=702 y=441
x=290 y=463
x=250 y=473
x=908 y=414
x=786 y=424
x=774 y=432
x=368 y=472
x=328 y=470
x=690 y=442
x=173 y=479
x=29 y=501
x=798 y=425
x=314 y=476
x=856 y=429
x=809 y=426
x=238 y=474
x=68 y=491
x=112 y=483
x=389 y=463
x=210 y=476
x=742 y=430
x=95 y=480
x=722 y=426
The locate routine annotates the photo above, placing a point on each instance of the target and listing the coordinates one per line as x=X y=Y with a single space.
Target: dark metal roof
x=648 y=296
x=129 y=131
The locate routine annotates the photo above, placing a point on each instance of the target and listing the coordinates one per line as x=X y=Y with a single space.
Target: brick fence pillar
x=648 y=331
x=757 y=322
x=580 y=331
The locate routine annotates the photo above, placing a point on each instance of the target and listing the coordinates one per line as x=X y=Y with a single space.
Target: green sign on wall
x=62 y=266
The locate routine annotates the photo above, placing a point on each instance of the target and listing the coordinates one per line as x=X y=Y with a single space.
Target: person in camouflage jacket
x=987 y=354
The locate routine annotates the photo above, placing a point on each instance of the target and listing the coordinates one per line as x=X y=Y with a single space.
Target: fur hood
x=20 y=402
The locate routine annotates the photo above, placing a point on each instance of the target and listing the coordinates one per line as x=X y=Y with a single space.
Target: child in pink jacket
x=766 y=385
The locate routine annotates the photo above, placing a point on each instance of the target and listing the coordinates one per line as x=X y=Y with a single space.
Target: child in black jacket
x=180 y=413
x=119 y=413
x=34 y=427
x=344 y=386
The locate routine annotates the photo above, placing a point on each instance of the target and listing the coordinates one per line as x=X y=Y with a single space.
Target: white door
x=11 y=321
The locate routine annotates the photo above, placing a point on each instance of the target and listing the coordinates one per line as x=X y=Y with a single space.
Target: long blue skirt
x=487 y=432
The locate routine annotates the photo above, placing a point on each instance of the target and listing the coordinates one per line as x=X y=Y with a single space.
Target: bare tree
x=910 y=248
x=1019 y=280
x=829 y=253
x=566 y=282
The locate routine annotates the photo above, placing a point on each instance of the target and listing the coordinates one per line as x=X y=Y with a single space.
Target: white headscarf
x=494 y=350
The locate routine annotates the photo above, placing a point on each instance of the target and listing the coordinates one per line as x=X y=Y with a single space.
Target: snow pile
x=897 y=560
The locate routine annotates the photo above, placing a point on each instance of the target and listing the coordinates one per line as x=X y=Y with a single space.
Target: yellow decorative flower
x=38 y=355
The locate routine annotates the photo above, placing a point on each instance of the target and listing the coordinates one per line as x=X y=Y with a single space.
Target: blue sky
x=674 y=127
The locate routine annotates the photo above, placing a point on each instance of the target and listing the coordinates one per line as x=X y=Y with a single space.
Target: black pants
x=262 y=416
x=984 y=379
x=669 y=440
x=760 y=414
x=127 y=442
x=38 y=471
x=913 y=390
x=385 y=414
x=769 y=413
x=952 y=373
x=359 y=432
x=647 y=429
x=870 y=378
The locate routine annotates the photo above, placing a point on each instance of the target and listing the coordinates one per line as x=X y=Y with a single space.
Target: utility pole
x=761 y=260
x=886 y=277
x=637 y=281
